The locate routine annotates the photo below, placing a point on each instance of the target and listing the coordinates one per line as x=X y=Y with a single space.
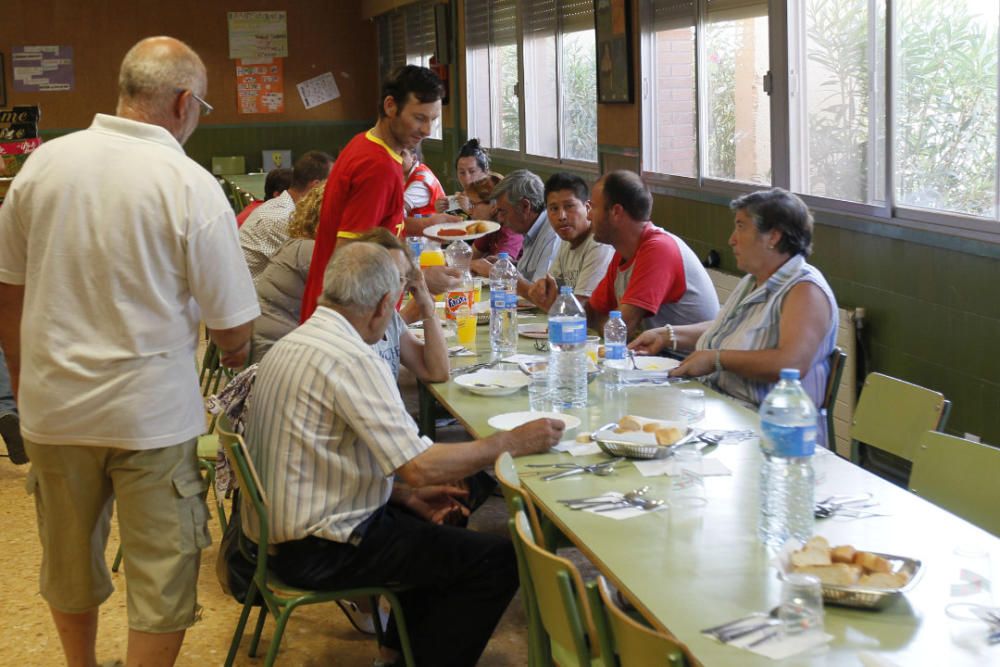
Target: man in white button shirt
x=356 y=495
x=266 y=229
x=113 y=245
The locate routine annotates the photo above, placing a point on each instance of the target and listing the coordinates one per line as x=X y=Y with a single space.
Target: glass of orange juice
x=432 y=255
x=466 y=322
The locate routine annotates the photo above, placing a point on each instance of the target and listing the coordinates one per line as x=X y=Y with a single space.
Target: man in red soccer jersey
x=365 y=188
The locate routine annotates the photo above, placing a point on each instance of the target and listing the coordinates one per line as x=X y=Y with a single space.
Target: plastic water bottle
x=503 y=306
x=788 y=428
x=458 y=255
x=567 y=352
x=615 y=337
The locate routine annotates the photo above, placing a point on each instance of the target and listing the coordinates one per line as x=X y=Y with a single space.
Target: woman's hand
x=697 y=364
x=649 y=342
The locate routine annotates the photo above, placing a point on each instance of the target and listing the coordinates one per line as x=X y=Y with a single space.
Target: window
x=407 y=37
x=919 y=146
x=552 y=110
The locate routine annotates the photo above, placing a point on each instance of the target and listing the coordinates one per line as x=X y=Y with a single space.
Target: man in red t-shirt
x=365 y=188
x=654 y=278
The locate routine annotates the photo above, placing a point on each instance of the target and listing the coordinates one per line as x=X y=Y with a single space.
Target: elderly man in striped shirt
x=357 y=497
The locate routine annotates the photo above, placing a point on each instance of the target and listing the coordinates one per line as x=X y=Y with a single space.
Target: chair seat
x=208 y=446
x=285 y=590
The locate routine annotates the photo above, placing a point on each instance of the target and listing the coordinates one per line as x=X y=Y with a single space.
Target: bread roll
x=843 y=554
x=810 y=557
x=872 y=563
x=817 y=542
x=630 y=423
x=652 y=427
x=668 y=435
x=884 y=580
x=837 y=574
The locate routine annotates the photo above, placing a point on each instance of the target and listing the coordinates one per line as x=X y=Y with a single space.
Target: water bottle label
x=568 y=332
x=789 y=441
x=498 y=299
x=614 y=351
x=512 y=300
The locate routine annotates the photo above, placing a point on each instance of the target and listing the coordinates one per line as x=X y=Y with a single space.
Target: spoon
x=599 y=469
x=635 y=501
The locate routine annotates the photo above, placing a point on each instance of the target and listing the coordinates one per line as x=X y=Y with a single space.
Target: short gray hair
x=522 y=184
x=156 y=67
x=781 y=210
x=358 y=276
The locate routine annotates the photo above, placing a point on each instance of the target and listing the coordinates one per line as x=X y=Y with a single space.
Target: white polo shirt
x=123 y=244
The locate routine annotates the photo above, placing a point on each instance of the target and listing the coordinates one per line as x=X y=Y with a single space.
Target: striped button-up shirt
x=751 y=320
x=326 y=430
x=265 y=231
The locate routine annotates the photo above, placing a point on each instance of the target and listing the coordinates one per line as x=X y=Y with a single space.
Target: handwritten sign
x=257 y=35
x=318 y=90
x=260 y=85
x=42 y=68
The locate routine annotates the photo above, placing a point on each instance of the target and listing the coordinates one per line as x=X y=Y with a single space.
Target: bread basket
x=863 y=597
x=613 y=444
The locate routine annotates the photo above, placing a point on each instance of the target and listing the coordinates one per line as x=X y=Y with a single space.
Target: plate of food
x=461 y=231
x=539 y=330
x=490 y=382
x=655 y=364
x=512 y=420
x=641 y=437
x=851 y=577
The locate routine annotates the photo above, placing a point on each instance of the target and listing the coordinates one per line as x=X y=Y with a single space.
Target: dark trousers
x=462 y=580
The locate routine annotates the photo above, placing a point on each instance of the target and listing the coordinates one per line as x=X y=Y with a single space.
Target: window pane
x=738 y=117
x=946 y=105
x=674 y=140
x=504 y=74
x=477 y=70
x=579 y=95
x=541 y=97
x=843 y=83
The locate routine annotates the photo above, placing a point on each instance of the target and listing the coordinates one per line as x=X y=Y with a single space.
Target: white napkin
x=577 y=448
x=709 y=467
x=625 y=512
x=525 y=358
x=780 y=647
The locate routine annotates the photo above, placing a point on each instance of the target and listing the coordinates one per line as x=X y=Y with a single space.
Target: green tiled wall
x=250 y=140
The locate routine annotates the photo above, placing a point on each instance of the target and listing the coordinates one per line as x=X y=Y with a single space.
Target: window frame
x=783 y=75
x=521 y=154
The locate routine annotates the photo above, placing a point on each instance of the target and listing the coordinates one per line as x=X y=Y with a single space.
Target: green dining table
x=690 y=569
x=252 y=183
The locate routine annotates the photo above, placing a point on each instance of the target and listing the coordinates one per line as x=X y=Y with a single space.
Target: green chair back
x=960 y=476
x=632 y=643
x=890 y=417
x=837 y=360
x=559 y=592
x=281 y=599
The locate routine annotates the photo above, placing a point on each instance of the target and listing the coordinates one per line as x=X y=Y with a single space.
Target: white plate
x=654 y=363
x=508 y=382
x=512 y=420
x=434 y=230
x=534 y=330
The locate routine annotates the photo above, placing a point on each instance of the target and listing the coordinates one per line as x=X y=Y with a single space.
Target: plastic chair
x=631 y=643
x=562 y=605
x=960 y=476
x=545 y=532
x=890 y=418
x=281 y=599
x=837 y=360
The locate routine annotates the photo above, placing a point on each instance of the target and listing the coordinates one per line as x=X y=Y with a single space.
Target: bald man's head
x=153 y=74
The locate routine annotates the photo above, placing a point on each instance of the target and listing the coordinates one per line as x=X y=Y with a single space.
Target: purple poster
x=42 y=68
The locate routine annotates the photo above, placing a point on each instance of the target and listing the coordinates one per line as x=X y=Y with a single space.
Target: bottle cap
x=565 y=289
x=615 y=314
x=503 y=255
x=789 y=374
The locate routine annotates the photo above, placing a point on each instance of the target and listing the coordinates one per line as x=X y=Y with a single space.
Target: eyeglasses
x=206 y=108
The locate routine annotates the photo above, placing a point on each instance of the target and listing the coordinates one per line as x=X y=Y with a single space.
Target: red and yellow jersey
x=423 y=174
x=364 y=191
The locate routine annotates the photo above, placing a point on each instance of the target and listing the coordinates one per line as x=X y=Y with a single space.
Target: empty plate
x=490 y=382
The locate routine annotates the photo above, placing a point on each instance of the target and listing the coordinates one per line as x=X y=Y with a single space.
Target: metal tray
x=605 y=439
x=862 y=597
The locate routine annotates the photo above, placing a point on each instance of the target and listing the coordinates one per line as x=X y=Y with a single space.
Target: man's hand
x=544 y=291
x=236 y=358
x=648 y=342
x=440 y=218
x=417 y=287
x=536 y=436
x=697 y=364
x=483 y=266
x=437 y=504
x=440 y=279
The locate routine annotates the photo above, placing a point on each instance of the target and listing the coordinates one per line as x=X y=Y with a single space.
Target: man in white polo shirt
x=104 y=275
x=356 y=494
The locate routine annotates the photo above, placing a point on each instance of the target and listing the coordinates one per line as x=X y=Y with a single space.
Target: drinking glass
x=538 y=389
x=687 y=483
x=593 y=346
x=801 y=607
x=971 y=576
x=693 y=405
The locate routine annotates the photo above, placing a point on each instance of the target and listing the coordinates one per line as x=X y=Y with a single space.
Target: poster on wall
x=255 y=35
x=42 y=68
x=260 y=85
x=18 y=137
x=318 y=90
